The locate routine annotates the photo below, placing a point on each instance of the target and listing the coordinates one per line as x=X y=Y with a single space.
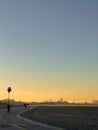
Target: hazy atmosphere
x=49 y=49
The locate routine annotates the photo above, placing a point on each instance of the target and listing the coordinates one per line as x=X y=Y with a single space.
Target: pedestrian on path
x=8 y=107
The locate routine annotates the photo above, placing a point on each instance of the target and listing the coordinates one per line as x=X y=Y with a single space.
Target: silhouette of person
x=25 y=105
x=8 y=107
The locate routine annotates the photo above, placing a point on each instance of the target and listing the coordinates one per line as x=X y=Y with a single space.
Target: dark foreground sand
x=71 y=118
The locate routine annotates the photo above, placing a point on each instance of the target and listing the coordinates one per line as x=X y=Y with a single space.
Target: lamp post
x=9 y=90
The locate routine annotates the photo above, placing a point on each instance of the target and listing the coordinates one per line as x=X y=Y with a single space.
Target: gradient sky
x=49 y=49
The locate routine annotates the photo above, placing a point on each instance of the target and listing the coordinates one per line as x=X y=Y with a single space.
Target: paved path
x=12 y=121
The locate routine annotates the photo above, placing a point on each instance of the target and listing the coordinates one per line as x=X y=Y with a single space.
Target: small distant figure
x=8 y=107
x=25 y=105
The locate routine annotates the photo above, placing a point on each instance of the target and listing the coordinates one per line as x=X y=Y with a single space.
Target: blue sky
x=53 y=39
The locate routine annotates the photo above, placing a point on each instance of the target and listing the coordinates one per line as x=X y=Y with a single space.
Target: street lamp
x=9 y=90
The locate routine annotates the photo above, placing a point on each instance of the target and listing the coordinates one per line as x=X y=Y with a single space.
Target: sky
x=49 y=49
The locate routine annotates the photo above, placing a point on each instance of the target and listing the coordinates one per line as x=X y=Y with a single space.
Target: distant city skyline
x=49 y=49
